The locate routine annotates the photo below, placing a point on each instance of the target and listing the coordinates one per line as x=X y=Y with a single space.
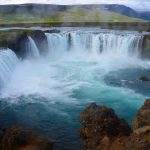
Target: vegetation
x=69 y=15
x=95 y=15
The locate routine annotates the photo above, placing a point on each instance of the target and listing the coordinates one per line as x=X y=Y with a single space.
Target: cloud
x=138 y=4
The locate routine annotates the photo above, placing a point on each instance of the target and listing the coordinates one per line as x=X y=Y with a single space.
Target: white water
x=95 y=43
x=8 y=61
x=33 y=50
x=68 y=79
x=77 y=61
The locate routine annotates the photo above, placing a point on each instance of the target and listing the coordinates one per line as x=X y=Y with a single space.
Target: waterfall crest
x=33 y=51
x=8 y=61
x=95 y=43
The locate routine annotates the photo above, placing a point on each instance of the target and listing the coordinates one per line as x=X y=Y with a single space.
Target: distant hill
x=80 y=14
x=32 y=9
x=40 y=13
x=127 y=11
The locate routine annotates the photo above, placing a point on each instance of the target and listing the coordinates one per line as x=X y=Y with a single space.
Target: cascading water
x=82 y=67
x=8 y=61
x=33 y=51
x=95 y=43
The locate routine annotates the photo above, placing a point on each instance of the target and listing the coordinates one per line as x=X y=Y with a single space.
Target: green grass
x=70 y=15
x=97 y=15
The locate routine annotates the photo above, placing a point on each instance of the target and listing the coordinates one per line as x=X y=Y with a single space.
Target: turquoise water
x=48 y=94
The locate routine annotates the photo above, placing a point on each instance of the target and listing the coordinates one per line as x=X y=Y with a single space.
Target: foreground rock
x=143 y=116
x=20 y=139
x=103 y=130
x=101 y=127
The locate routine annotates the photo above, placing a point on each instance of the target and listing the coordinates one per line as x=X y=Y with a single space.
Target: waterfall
x=33 y=50
x=125 y=44
x=8 y=61
x=57 y=42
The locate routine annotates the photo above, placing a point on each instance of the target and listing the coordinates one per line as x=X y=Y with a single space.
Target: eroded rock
x=101 y=127
x=103 y=130
x=18 y=41
x=41 y=41
x=22 y=139
x=139 y=139
x=143 y=116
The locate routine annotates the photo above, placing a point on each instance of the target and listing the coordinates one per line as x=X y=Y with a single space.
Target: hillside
x=53 y=14
x=94 y=15
x=124 y=10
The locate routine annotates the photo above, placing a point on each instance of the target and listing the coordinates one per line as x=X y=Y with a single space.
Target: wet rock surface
x=22 y=139
x=103 y=130
x=17 y=40
x=41 y=41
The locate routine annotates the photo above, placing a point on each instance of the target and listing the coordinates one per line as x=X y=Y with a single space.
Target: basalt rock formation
x=146 y=46
x=17 y=40
x=103 y=130
x=41 y=41
x=22 y=139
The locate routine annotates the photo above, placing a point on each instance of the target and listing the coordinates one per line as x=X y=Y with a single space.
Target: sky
x=136 y=4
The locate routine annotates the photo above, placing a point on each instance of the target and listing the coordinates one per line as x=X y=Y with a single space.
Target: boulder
x=103 y=130
x=101 y=127
x=143 y=116
x=139 y=139
x=22 y=139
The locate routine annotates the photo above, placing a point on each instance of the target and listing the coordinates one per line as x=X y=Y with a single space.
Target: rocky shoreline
x=102 y=129
x=23 y=139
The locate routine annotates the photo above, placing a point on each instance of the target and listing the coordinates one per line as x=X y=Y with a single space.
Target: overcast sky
x=138 y=4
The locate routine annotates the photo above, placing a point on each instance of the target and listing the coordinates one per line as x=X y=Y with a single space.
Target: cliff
x=17 y=39
x=103 y=130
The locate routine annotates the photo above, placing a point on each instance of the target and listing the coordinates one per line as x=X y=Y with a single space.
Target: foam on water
x=76 y=60
x=73 y=75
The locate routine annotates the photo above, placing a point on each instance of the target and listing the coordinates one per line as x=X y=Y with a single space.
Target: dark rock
x=146 y=47
x=101 y=127
x=143 y=116
x=21 y=139
x=139 y=139
x=53 y=31
x=19 y=46
x=41 y=41
x=18 y=41
x=143 y=78
x=103 y=130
